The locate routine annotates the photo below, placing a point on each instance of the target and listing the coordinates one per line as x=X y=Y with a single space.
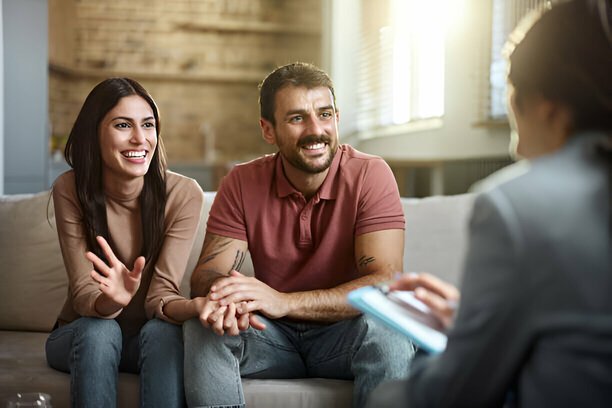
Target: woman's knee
x=96 y=342
x=160 y=337
x=98 y=332
x=86 y=338
x=159 y=330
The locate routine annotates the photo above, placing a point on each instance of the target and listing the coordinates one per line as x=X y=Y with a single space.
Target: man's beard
x=297 y=161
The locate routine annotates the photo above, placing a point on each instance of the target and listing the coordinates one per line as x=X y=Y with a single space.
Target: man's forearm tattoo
x=213 y=247
x=240 y=255
x=365 y=260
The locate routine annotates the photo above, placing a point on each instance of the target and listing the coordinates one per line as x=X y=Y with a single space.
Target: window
x=400 y=63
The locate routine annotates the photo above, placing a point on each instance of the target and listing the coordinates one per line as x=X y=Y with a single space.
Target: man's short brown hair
x=296 y=74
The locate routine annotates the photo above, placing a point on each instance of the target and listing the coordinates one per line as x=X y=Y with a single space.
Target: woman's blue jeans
x=94 y=350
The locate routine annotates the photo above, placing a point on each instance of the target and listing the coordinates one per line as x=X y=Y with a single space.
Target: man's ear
x=267 y=131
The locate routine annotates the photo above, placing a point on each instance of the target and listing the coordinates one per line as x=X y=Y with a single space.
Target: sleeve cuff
x=159 y=309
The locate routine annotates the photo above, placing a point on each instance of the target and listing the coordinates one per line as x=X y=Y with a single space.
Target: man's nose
x=314 y=124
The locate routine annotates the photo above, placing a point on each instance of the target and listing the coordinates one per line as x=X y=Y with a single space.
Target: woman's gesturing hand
x=116 y=281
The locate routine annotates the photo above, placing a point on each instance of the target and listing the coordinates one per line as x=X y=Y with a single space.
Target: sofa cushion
x=34 y=283
x=23 y=368
x=436 y=235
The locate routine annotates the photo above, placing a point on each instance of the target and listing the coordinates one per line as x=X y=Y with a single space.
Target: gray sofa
x=33 y=289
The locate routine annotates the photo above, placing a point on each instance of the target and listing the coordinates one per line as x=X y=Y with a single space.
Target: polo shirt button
x=304 y=217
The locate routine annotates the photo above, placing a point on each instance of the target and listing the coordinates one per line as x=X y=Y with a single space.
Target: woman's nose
x=138 y=135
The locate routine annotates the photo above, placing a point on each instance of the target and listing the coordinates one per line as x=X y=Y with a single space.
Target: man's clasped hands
x=230 y=305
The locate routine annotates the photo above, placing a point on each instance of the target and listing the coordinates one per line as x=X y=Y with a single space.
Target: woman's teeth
x=134 y=154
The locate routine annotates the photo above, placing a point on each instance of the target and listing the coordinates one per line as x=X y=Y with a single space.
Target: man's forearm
x=329 y=305
x=202 y=280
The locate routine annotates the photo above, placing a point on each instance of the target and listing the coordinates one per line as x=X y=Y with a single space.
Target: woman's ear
x=267 y=131
x=555 y=114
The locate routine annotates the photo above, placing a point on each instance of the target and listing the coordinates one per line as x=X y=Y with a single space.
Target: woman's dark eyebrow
x=132 y=119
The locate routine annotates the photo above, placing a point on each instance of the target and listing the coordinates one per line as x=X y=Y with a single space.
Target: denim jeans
x=94 y=350
x=357 y=349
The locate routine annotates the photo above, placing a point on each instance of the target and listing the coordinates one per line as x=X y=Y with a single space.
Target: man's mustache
x=314 y=139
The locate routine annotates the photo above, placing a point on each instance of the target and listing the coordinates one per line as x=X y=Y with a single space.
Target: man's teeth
x=315 y=146
x=135 y=154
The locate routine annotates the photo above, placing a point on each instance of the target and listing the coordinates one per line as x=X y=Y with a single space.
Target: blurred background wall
x=420 y=83
x=201 y=61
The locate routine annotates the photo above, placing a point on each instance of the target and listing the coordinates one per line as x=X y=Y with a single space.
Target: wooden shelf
x=247 y=27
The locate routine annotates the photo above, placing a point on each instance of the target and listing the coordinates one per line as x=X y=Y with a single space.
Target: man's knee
x=389 y=339
x=386 y=345
x=203 y=340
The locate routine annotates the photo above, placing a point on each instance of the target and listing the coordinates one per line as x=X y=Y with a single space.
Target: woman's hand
x=225 y=319
x=116 y=281
x=441 y=297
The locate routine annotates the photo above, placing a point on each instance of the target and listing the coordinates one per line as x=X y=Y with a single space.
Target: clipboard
x=401 y=311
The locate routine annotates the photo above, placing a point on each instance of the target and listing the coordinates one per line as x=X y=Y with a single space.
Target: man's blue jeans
x=357 y=349
x=94 y=350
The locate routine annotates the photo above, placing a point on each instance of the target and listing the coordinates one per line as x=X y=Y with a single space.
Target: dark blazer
x=534 y=327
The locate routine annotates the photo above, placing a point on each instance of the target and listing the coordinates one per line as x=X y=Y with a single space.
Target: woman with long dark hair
x=534 y=326
x=121 y=211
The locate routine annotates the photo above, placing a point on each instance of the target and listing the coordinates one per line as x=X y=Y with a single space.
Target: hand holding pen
x=441 y=297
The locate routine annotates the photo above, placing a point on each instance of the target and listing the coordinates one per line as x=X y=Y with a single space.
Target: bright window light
x=402 y=62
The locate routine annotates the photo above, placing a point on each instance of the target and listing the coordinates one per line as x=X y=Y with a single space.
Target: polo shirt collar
x=327 y=191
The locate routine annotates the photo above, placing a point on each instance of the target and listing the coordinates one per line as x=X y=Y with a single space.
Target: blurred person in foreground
x=534 y=327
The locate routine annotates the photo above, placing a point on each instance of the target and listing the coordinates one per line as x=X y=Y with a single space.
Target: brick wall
x=200 y=59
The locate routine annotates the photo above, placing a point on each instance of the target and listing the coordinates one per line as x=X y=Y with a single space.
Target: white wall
x=465 y=65
x=25 y=64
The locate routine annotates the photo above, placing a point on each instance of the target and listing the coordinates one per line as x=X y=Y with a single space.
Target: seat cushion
x=23 y=368
x=436 y=235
